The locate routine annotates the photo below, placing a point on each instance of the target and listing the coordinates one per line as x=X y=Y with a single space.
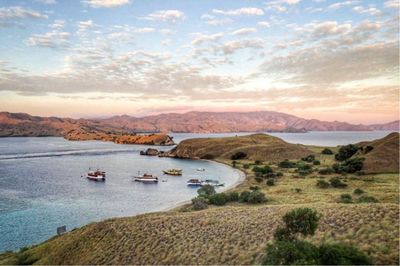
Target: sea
x=43 y=181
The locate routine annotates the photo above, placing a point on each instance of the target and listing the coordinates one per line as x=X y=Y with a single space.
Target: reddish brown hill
x=394 y=125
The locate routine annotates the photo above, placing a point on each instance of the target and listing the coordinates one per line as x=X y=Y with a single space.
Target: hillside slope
x=394 y=125
x=384 y=156
x=257 y=147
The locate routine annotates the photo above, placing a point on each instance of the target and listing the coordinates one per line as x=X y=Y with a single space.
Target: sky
x=324 y=59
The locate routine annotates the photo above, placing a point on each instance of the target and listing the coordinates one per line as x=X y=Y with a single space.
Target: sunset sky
x=330 y=60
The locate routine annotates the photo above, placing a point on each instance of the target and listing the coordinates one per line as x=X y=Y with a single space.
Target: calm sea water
x=41 y=183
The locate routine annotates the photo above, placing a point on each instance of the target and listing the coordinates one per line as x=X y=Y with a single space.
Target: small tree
x=233 y=196
x=206 y=191
x=346 y=198
x=358 y=191
x=218 y=199
x=302 y=221
x=345 y=152
x=238 y=155
x=336 y=182
x=199 y=203
x=327 y=151
x=322 y=184
x=270 y=182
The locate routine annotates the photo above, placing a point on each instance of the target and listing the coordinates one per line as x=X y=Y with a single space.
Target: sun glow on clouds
x=132 y=57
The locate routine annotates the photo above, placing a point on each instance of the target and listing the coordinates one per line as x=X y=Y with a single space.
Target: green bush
x=233 y=196
x=262 y=170
x=309 y=158
x=327 y=151
x=346 y=198
x=270 y=182
x=279 y=174
x=244 y=196
x=259 y=179
x=256 y=197
x=340 y=254
x=345 y=152
x=337 y=183
x=326 y=171
x=206 y=190
x=208 y=157
x=349 y=166
x=316 y=162
x=367 y=199
x=322 y=184
x=246 y=166
x=287 y=164
x=199 y=203
x=218 y=199
x=257 y=162
x=238 y=155
x=254 y=188
x=358 y=191
x=301 y=221
x=291 y=253
x=297 y=190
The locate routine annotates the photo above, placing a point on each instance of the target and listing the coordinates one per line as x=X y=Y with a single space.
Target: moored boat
x=146 y=178
x=96 y=175
x=214 y=183
x=173 y=172
x=194 y=183
x=200 y=169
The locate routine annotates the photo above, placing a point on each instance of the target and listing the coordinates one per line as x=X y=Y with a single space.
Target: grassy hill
x=257 y=147
x=237 y=233
x=384 y=156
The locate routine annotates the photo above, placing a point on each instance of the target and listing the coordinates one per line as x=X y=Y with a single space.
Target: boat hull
x=97 y=179
x=146 y=180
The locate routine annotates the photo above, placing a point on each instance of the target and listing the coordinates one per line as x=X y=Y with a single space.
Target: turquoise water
x=41 y=186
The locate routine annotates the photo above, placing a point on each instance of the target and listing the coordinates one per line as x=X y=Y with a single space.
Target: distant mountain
x=218 y=122
x=394 y=125
x=20 y=124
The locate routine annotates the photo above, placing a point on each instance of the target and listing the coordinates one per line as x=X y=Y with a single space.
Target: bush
x=270 y=182
x=233 y=196
x=208 y=157
x=287 y=164
x=326 y=171
x=246 y=166
x=199 y=203
x=258 y=179
x=244 y=196
x=327 y=151
x=206 y=190
x=349 y=166
x=316 y=162
x=346 y=198
x=309 y=158
x=218 y=199
x=238 y=156
x=297 y=190
x=339 y=254
x=301 y=221
x=367 y=199
x=322 y=184
x=279 y=174
x=337 y=183
x=262 y=170
x=256 y=197
x=291 y=253
x=257 y=162
x=234 y=164
x=358 y=191
x=345 y=152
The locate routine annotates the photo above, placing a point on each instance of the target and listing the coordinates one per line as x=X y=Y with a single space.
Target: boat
x=194 y=183
x=201 y=169
x=173 y=172
x=146 y=178
x=214 y=183
x=96 y=175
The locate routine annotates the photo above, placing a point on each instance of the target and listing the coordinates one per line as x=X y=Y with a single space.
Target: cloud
x=245 y=11
x=166 y=16
x=17 y=12
x=83 y=26
x=232 y=46
x=342 y=4
x=371 y=10
x=54 y=39
x=106 y=3
x=201 y=38
x=244 y=31
x=327 y=28
x=392 y=4
x=47 y=2
x=219 y=22
x=58 y=24
x=280 y=6
x=264 y=24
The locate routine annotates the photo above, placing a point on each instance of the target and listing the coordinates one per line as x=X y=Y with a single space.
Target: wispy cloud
x=106 y=3
x=166 y=15
x=244 y=11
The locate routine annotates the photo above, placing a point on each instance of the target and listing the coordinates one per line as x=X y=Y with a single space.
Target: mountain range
x=21 y=124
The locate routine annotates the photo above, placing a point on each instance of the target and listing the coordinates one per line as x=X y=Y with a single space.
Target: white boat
x=201 y=169
x=146 y=178
x=96 y=175
x=214 y=183
x=194 y=183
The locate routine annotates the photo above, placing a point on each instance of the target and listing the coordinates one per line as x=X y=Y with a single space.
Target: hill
x=382 y=155
x=257 y=147
x=394 y=125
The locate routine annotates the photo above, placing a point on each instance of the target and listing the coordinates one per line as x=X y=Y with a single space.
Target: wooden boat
x=146 y=178
x=96 y=175
x=194 y=183
x=173 y=172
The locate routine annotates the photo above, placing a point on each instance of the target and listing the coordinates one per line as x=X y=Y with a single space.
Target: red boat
x=96 y=175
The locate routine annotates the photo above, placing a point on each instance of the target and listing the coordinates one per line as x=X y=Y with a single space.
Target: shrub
x=246 y=166
x=309 y=158
x=291 y=253
x=244 y=196
x=238 y=155
x=208 y=157
x=262 y=170
x=346 y=198
x=322 y=184
x=256 y=197
x=327 y=151
x=367 y=199
x=303 y=166
x=358 y=191
x=199 y=203
x=287 y=164
x=234 y=164
x=218 y=199
x=336 y=182
x=316 y=162
x=206 y=190
x=233 y=196
x=345 y=152
x=339 y=254
x=326 y=171
x=270 y=182
x=279 y=174
x=349 y=166
x=297 y=190
x=258 y=179
x=302 y=221
x=257 y=162
x=368 y=148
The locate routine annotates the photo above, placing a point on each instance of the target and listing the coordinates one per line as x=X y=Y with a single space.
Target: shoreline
x=241 y=179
